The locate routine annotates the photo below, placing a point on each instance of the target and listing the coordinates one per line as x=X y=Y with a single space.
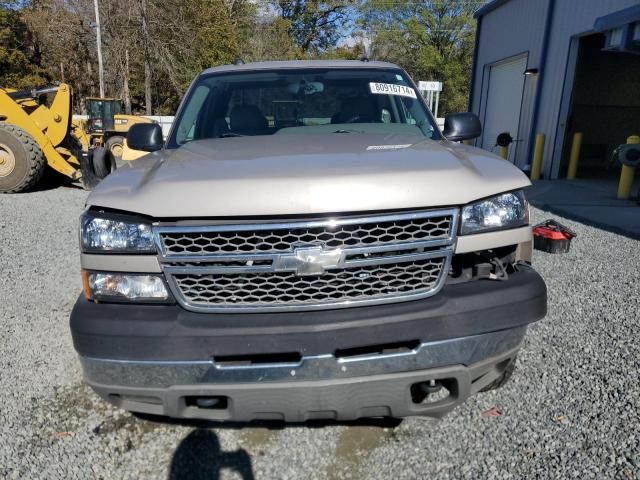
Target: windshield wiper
x=341 y=130
x=230 y=134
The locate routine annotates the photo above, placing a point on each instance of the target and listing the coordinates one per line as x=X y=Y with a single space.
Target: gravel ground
x=572 y=409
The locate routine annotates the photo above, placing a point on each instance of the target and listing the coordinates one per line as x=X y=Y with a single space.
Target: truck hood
x=305 y=174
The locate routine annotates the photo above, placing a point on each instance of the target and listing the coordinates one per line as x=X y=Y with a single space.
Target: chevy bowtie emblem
x=308 y=261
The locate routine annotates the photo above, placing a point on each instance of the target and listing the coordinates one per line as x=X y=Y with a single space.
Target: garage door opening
x=605 y=107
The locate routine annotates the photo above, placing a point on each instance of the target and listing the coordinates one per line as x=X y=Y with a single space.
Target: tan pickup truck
x=306 y=244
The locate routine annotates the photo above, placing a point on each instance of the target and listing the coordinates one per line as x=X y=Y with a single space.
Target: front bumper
x=340 y=398
x=157 y=359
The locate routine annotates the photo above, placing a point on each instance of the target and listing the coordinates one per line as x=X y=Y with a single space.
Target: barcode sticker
x=392 y=89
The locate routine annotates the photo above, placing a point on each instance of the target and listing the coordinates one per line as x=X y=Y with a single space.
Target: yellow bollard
x=504 y=152
x=537 y=157
x=575 y=155
x=626 y=175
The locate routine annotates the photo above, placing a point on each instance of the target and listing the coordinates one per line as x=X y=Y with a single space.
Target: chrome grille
x=328 y=263
x=282 y=238
x=288 y=289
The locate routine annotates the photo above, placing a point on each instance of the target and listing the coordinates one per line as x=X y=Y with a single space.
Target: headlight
x=119 y=287
x=102 y=232
x=508 y=210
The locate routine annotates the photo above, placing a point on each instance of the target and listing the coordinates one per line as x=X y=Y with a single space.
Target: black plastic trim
x=168 y=332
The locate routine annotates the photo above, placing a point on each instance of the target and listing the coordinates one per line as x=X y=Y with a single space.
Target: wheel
x=115 y=145
x=21 y=161
x=102 y=162
x=89 y=178
x=503 y=378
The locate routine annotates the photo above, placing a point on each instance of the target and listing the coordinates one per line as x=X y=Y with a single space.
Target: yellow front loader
x=34 y=135
x=106 y=126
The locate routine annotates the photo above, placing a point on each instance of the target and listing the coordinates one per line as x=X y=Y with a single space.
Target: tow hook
x=421 y=392
x=430 y=387
x=208 y=402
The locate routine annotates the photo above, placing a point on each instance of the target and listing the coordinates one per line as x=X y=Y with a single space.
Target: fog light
x=124 y=287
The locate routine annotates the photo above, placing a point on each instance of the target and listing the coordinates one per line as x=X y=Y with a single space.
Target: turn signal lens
x=86 y=289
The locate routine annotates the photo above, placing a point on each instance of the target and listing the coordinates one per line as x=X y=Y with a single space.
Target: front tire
x=102 y=162
x=22 y=163
x=89 y=178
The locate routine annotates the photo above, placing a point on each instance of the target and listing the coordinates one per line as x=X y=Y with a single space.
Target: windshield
x=309 y=101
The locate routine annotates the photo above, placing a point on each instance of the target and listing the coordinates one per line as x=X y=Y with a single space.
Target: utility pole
x=147 y=59
x=99 y=42
x=125 y=84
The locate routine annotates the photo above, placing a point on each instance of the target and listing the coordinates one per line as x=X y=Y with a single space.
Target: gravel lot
x=572 y=410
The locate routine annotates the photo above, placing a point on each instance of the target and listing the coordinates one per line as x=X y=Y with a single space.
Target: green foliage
x=18 y=62
x=431 y=39
x=218 y=30
x=54 y=40
x=271 y=40
x=316 y=25
x=356 y=52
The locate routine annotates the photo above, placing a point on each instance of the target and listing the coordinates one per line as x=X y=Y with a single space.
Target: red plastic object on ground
x=552 y=237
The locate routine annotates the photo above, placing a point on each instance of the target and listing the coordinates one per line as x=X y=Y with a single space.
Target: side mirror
x=145 y=136
x=462 y=126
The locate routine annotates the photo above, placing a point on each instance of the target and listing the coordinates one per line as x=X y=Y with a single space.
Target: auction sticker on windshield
x=392 y=89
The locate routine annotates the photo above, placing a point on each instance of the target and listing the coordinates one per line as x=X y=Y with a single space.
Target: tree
x=19 y=61
x=152 y=49
x=62 y=33
x=355 y=52
x=431 y=39
x=271 y=40
x=316 y=25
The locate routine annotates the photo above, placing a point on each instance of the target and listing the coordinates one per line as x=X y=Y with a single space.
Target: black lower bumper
x=170 y=333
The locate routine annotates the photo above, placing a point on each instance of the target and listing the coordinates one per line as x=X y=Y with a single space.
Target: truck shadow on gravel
x=268 y=424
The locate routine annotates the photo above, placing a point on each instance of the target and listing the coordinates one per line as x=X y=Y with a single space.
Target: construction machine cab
x=106 y=126
x=101 y=114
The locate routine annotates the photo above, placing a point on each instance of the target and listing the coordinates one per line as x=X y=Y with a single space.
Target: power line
x=252 y=26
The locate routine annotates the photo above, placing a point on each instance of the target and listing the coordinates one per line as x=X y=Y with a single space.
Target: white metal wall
x=517 y=27
x=504 y=35
x=570 y=18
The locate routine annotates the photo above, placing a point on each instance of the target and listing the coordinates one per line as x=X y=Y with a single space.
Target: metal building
x=558 y=67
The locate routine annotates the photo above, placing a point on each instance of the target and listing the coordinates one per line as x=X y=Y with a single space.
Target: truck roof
x=300 y=64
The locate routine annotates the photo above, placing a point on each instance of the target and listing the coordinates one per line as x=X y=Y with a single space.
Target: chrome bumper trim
x=164 y=374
